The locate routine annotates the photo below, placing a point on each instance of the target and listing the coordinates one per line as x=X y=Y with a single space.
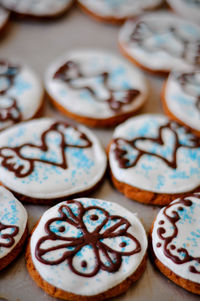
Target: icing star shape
x=97 y=85
x=129 y=152
x=89 y=239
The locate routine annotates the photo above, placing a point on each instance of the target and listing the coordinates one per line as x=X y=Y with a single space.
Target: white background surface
x=37 y=43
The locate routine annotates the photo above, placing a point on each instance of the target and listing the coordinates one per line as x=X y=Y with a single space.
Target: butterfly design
x=21 y=159
x=96 y=84
x=89 y=239
x=154 y=39
x=164 y=147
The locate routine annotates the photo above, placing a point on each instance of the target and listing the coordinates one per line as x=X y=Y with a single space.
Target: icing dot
x=83 y=264
x=94 y=217
x=122 y=244
x=158 y=245
x=180 y=208
x=192 y=269
x=61 y=229
x=172 y=247
x=161 y=222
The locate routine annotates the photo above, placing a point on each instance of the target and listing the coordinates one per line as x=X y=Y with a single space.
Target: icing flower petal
x=94 y=219
x=7 y=234
x=110 y=261
x=86 y=261
x=115 y=226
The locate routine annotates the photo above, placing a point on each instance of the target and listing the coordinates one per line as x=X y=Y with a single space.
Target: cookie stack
x=87 y=248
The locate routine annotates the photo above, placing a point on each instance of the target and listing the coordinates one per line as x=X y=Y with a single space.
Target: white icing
x=12 y=213
x=154 y=38
x=152 y=173
x=93 y=62
x=28 y=92
x=85 y=167
x=37 y=7
x=4 y=15
x=62 y=277
x=181 y=101
x=187 y=237
x=119 y=8
x=189 y=9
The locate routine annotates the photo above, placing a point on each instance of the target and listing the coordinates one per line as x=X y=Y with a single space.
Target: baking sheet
x=37 y=44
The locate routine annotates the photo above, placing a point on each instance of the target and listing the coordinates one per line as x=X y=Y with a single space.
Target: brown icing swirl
x=121 y=154
x=143 y=31
x=11 y=155
x=71 y=71
x=69 y=247
x=8 y=237
x=166 y=241
x=8 y=73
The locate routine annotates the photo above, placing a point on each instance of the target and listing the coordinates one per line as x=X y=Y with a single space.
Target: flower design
x=89 y=239
x=7 y=234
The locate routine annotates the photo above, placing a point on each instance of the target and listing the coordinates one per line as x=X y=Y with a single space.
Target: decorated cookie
x=175 y=242
x=181 y=98
x=154 y=160
x=117 y=11
x=87 y=248
x=189 y=9
x=21 y=94
x=44 y=160
x=105 y=90
x=160 y=42
x=13 y=227
x=37 y=8
x=4 y=16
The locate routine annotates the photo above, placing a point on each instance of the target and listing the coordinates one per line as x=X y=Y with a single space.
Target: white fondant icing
x=119 y=8
x=182 y=99
x=93 y=63
x=152 y=173
x=160 y=47
x=85 y=166
x=27 y=91
x=187 y=237
x=37 y=7
x=61 y=276
x=4 y=15
x=12 y=213
x=189 y=9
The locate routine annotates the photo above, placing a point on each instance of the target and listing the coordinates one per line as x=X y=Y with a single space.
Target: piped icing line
x=102 y=85
x=151 y=153
x=17 y=85
x=175 y=237
x=182 y=97
x=94 y=244
x=119 y=9
x=13 y=222
x=160 y=41
x=40 y=8
x=48 y=159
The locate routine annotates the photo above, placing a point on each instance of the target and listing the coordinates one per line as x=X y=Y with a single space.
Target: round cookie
x=189 y=9
x=104 y=88
x=43 y=160
x=37 y=8
x=175 y=242
x=13 y=227
x=159 y=42
x=4 y=17
x=21 y=93
x=87 y=249
x=181 y=98
x=154 y=160
x=113 y=11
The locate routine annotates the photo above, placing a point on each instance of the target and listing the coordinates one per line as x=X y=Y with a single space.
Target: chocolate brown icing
x=30 y=162
x=167 y=240
x=143 y=31
x=94 y=239
x=9 y=237
x=8 y=72
x=121 y=153
x=71 y=71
